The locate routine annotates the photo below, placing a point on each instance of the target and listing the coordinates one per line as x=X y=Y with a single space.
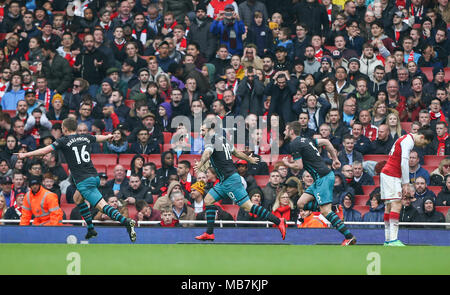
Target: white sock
x=393 y=227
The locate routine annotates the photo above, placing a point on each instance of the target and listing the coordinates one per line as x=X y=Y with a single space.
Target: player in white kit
x=394 y=180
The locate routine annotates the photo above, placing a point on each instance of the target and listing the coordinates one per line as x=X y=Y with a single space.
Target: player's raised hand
x=196 y=166
x=286 y=161
x=336 y=164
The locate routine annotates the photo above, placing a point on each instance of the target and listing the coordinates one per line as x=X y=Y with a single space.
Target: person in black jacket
x=314 y=15
x=199 y=32
x=443 y=197
x=144 y=144
x=90 y=64
x=250 y=92
x=359 y=176
x=408 y=213
x=167 y=167
x=430 y=214
x=383 y=144
x=135 y=191
x=282 y=89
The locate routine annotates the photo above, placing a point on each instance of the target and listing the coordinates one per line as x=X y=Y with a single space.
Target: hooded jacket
x=374 y=215
x=433 y=216
x=443 y=197
x=408 y=214
x=340 y=191
x=351 y=214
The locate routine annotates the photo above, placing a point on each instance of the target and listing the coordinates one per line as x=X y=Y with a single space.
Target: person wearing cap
x=31 y=102
x=353 y=71
x=282 y=61
x=14 y=212
x=438 y=81
x=41 y=205
x=197 y=195
x=399 y=28
x=229 y=29
x=326 y=69
x=114 y=74
x=163 y=58
x=7 y=191
x=199 y=31
x=56 y=68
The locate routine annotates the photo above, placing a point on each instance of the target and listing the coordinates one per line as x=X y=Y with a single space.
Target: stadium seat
x=12 y=113
x=447 y=74
x=155 y=159
x=2 y=36
x=261 y=180
x=67 y=208
x=132 y=212
x=104 y=159
x=429 y=168
x=435 y=189
x=363 y=209
x=167 y=137
x=368 y=189
x=110 y=171
x=428 y=71
x=55 y=121
x=190 y=158
x=101 y=168
x=376 y=158
x=406 y=126
x=376 y=179
x=361 y=200
x=431 y=160
x=232 y=209
x=330 y=48
x=442 y=209
x=125 y=159
x=63 y=199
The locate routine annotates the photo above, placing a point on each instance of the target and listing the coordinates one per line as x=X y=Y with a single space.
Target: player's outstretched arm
x=293 y=164
x=243 y=156
x=38 y=152
x=103 y=138
x=330 y=148
x=205 y=158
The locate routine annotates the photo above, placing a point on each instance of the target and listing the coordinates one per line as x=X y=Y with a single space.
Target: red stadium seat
x=376 y=158
x=155 y=159
x=12 y=113
x=232 y=209
x=406 y=126
x=330 y=48
x=125 y=159
x=63 y=199
x=435 y=189
x=104 y=159
x=190 y=158
x=363 y=209
x=132 y=212
x=167 y=137
x=376 y=179
x=447 y=74
x=428 y=71
x=442 y=209
x=361 y=200
x=67 y=208
x=110 y=171
x=261 y=180
x=55 y=121
x=430 y=160
x=101 y=168
x=368 y=189
x=166 y=147
x=429 y=168
x=2 y=36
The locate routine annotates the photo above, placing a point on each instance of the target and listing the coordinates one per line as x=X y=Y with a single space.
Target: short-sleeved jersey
x=306 y=149
x=397 y=163
x=77 y=152
x=221 y=159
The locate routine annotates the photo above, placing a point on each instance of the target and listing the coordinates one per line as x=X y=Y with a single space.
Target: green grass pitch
x=221 y=259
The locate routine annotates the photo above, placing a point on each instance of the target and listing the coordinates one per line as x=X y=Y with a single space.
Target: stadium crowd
x=360 y=73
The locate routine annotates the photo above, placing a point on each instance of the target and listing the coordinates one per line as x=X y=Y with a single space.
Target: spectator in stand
x=376 y=211
x=350 y=214
x=348 y=154
x=134 y=191
x=441 y=143
x=118 y=144
x=167 y=218
x=422 y=191
x=408 y=213
x=271 y=190
x=310 y=219
x=438 y=81
x=144 y=144
x=383 y=144
x=415 y=169
x=180 y=209
x=146 y=212
x=229 y=29
x=360 y=176
x=119 y=179
x=283 y=207
x=14 y=212
x=14 y=94
x=437 y=176
x=443 y=197
x=24 y=138
x=429 y=213
x=256 y=196
x=369 y=130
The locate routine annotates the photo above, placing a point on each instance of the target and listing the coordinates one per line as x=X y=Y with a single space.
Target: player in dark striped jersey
x=305 y=155
x=218 y=152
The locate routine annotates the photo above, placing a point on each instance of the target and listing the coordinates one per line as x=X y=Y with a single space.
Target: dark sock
x=114 y=214
x=210 y=213
x=339 y=225
x=264 y=214
x=86 y=214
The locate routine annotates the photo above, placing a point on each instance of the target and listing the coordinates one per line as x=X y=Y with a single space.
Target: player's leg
x=307 y=202
x=387 y=233
x=211 y=197
x=394 y=217
x=337 y=223
x=85 y=213
x=114 y=214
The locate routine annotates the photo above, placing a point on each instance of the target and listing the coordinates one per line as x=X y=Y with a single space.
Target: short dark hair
x=295 y=126
x=70 y=124
x=427 y=133
x=186 y=163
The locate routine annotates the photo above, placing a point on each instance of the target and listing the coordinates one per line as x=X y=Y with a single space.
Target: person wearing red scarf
x=441 y=144
x=168 y=219
x=283 y=207
x=436 y=114
x=15 y=210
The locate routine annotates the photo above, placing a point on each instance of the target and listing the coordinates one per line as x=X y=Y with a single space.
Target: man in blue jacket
x=229 y=29
x=16 y=93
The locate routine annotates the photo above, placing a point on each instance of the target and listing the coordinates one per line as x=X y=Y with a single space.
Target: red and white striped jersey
x=398 y=163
